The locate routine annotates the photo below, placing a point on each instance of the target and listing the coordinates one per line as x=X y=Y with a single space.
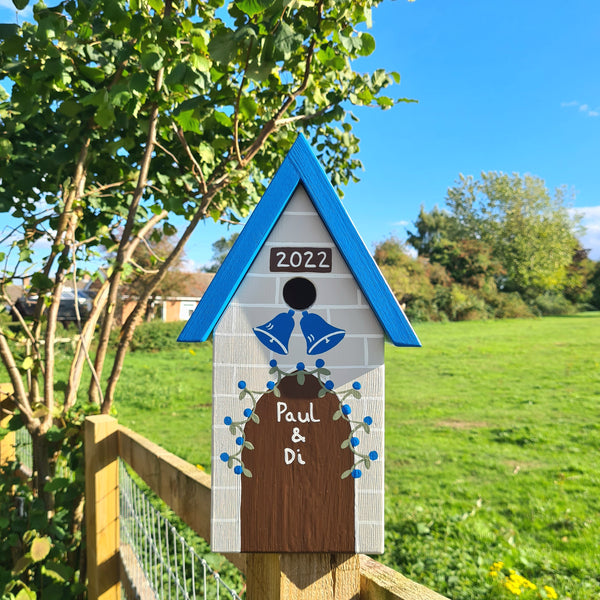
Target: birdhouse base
x=303 y=576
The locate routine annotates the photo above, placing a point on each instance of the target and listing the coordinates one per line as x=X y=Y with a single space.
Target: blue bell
x=275 y=334
x=319 y=334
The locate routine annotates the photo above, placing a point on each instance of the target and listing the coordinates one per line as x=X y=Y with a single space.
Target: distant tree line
x=502 y=247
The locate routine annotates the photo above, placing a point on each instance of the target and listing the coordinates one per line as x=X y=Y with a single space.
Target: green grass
x=492 y=448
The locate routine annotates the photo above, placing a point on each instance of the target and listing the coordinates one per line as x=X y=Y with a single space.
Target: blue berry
x=228 y=420
x=238 y=469
x=373 y=455
x=320 y=363
x=239 y=441
x=356 y=473
x=329 y=384
x=224 y=457
x=273 y=363
x=356 y=385
x=368 y=420
x=300 y=366
x=270 y=385
x=346 y=409
x=247 y=412
x=354 y=442
x=241 y=384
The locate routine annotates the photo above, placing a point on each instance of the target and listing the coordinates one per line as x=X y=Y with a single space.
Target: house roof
x=300 y=166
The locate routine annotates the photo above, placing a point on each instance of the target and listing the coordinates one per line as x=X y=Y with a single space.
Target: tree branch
x=236 y=115
x=121 y=259
x=197 y=170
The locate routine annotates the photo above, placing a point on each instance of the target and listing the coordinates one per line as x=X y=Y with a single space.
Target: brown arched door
x=296 y=500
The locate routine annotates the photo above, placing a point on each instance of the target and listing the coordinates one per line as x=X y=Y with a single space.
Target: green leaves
x=20 y=4
x=253 y=7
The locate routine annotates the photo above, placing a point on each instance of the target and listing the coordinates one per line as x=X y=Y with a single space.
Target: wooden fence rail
x=186 y=490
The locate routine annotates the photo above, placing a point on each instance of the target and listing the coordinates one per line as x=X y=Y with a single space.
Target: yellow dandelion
x=550 y=592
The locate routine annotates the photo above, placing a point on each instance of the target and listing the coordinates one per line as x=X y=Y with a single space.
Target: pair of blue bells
x=320 y=336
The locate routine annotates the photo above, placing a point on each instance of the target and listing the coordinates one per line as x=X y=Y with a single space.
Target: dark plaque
x=300 y=260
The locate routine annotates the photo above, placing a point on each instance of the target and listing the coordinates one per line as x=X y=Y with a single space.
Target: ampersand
x=296 y=437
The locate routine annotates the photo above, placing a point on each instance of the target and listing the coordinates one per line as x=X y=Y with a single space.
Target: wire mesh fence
x=159 y=561
x=23 y=449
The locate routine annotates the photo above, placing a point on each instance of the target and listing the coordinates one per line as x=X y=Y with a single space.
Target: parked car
x=66 y=310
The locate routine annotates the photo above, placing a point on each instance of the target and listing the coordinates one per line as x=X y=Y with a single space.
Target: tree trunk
x=42 y=468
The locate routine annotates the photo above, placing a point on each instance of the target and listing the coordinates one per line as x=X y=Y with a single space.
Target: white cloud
x=591 y=221
x=582 y=107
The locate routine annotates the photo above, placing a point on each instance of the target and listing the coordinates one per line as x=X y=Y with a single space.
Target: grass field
x=492 y=450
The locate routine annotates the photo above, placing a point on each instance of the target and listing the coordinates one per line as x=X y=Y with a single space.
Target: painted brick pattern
x=238 y=355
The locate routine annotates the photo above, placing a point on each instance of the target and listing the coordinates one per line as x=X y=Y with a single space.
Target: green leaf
x=249 y=445
x=222 y=46
x=40 y=548
x=58 y=571
x=151 y=61
x=176 y=75
x=345 y=444
x=368 y=44
x=247 y=472
x=21 y=565
x=27 y=363
x=58 y=483
x=255 y=417
x=6 y=148
x=253 y=7
x=276 y=392
x=94 y=73
x=105 y=116
x=223 y=119
x=188 y=121
x=70 y=107
x=346 y=473
x=41 y=282
x=25 y=594
x=300 y=378
x=248 y=107
x=337 y=415
x=20 y=4
x=286 y=40
x=7 y=30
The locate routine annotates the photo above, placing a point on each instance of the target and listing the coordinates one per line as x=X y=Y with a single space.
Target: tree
x=510 y=220
x=146 y=261
x=122 y=115
x=220 y=250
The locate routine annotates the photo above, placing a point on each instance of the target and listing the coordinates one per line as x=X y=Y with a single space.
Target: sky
x=501 y=85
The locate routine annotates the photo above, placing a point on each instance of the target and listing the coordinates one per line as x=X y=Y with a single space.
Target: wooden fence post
x=102 y=507
x=8 y=442
x=315 y=576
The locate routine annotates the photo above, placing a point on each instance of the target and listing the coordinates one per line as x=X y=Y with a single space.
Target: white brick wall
x=239 y=355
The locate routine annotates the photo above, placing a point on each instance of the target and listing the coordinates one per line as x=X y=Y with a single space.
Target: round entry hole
x=299 y=293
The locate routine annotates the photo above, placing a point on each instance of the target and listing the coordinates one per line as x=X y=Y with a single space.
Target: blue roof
x=300 y=166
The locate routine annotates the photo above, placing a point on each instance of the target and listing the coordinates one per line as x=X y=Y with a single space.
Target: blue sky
x=502 y=85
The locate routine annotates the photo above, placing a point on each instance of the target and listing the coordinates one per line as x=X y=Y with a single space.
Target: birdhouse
x=299 y=314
